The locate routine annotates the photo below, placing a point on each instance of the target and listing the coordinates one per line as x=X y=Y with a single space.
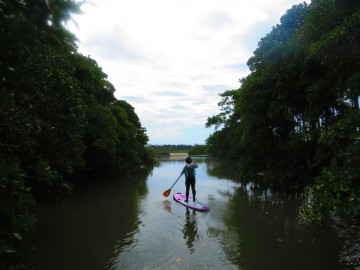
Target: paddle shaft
x=176 y=181
x=167 y=192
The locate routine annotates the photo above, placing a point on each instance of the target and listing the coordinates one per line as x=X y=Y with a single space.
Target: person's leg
x=187 y=185
x=193 y=188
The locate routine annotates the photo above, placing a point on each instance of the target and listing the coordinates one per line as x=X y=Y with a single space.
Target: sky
x=170 y=59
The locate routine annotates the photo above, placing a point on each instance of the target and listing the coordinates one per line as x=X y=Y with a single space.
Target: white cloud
x=171 y=58
x=218 y=21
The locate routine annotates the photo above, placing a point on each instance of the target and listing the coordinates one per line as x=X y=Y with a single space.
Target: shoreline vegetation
x=59 y=120
x=171 y=155
x=295 y=119
x=173 y=150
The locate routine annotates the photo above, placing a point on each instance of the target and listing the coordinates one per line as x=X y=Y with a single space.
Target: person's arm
x=183 y=171
x=195 y=164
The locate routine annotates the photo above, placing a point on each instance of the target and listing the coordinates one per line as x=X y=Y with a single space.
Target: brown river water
x=128 y=224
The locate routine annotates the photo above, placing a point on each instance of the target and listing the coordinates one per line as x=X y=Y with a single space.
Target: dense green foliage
x=295 y=119
x=58 y=118
x=196 y=149
x=172 y=148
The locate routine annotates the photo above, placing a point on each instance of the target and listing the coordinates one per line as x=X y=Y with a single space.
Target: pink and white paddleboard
x=180 y=198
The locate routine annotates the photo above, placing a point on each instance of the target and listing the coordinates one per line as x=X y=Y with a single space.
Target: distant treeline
x=196 y=149
x=59 y=119
x=179 y=148
x=295 y=120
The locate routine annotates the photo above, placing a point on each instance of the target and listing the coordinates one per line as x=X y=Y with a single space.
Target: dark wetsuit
x=189 y=171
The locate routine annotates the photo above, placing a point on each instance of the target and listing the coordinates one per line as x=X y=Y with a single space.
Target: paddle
x=167 y=192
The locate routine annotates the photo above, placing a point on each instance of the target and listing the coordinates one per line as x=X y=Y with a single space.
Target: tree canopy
x=58 y=117
x=295 y=118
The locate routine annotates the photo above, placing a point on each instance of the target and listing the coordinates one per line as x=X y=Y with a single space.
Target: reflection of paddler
x=167 y=205
x=190 y=229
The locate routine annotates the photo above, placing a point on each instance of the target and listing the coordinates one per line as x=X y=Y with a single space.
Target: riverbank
x=169 y=155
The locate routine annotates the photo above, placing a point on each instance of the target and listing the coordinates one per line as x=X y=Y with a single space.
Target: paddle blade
x=167 y=193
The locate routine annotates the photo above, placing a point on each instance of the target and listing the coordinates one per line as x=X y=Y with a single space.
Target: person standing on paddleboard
x=189 y=170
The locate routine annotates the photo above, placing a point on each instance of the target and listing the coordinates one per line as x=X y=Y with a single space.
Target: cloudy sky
x=171 y=58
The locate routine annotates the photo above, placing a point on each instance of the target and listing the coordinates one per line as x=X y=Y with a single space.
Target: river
x=129 y=224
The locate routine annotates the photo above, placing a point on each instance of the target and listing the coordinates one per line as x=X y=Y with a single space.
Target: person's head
x=188 y=160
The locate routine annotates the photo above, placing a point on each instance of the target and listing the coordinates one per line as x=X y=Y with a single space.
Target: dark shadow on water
x=99 y=220
x=271 y=235
x=190 y=229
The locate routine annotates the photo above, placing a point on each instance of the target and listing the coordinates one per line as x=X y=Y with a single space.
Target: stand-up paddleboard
x=180 y=198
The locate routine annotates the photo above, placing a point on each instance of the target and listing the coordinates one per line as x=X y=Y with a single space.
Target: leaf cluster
x=58 y=119
x=294 y=120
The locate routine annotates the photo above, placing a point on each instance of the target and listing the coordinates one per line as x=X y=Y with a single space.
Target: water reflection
x=100 y=220
x=348 y=231
x=167 y=205
x=219 y=169
x=269 y=232
x=190 y=229
x=130 y=225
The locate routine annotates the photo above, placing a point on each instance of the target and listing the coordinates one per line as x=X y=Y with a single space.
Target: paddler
x=189 y=170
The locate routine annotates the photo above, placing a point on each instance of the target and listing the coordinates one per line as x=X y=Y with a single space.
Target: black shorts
x=190 y=180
